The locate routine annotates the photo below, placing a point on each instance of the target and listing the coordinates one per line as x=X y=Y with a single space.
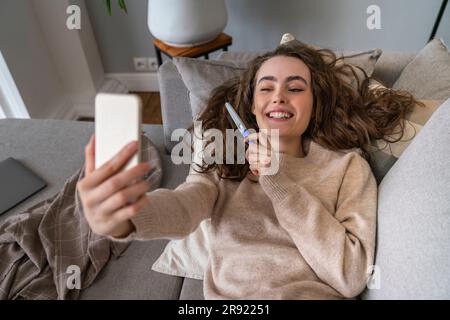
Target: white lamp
x=186 y=23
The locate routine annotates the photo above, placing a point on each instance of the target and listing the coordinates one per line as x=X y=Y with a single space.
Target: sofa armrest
x=175 y=104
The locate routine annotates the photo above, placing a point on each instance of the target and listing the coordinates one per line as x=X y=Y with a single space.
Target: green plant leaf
x=108 y=5
x=123 y=6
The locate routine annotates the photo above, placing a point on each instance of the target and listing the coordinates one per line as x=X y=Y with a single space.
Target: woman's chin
x=282 y=130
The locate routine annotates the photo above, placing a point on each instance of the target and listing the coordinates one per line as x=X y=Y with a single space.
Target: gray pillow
x=383 y=154
x=202 y=76
x=427 y=76
x=413 y=232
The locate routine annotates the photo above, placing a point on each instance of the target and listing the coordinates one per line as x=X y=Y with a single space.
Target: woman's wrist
x=128 y=228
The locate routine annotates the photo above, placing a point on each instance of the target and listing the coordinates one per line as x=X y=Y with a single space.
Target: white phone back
x=118 y=119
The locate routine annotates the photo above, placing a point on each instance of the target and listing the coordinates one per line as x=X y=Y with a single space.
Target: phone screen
x=118 y=120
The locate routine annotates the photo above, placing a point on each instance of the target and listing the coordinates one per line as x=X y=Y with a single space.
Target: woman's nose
x=279 y=97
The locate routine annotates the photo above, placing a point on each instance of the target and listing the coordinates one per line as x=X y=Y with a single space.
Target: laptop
x=17 y=183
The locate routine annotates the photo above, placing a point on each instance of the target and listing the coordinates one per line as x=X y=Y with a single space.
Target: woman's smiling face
x=283 y=97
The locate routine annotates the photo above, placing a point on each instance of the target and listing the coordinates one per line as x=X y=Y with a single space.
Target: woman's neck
x=292 y=146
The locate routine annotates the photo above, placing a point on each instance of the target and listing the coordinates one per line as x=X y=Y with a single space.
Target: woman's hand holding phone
x=111 y=197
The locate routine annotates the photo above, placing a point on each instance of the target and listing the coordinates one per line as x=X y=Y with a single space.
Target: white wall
x=258 y=25
x=11 y=102
x=26 y=53
x=444 y=26
x=121 y=37
x=74 y=53
x=340 y=24
x=58 y=71
x=65 y=48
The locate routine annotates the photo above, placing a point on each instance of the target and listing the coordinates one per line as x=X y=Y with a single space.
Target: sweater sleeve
x=174 y=214
x=338 y=246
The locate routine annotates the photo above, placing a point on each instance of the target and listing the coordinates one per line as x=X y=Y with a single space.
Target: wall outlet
x=152 y=64
x=141 y=64
x=146 y=64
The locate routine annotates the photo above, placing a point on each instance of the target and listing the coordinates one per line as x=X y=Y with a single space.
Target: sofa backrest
x=175 y=106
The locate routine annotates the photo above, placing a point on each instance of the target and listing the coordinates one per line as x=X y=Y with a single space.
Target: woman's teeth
x=280 y=115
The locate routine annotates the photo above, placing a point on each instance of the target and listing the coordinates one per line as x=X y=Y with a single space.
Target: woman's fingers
x=259 y=152
x=111 y=167
x=254 y=169
x=259 y=160
x=119 y=181
x=123 y=198
x=129 y=211
x=89 y=152
x=260 y=138
x=263 y=138
x=253 y=158
x=251 y=137
x=257 y=149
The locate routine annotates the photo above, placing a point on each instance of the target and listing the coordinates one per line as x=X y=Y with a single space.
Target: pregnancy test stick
x=237 y=121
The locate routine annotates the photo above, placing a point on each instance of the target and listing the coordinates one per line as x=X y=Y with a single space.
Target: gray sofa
x=55 y=149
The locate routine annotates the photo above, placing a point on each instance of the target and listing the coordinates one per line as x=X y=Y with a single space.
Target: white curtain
x=11 y=103
x=2 y=113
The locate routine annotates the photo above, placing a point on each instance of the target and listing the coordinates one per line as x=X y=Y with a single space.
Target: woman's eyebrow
x=288 y=79
x=292 y=78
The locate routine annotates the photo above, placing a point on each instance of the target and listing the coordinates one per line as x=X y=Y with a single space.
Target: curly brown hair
x=346 y=113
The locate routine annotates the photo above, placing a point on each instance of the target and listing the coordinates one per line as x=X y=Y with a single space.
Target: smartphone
x=118 y=121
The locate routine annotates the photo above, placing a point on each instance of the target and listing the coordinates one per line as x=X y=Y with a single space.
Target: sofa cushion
x=192 y=290
x=390 y=65
x=427 y=76
x=384 y=154
x=413 y=235
x=129 y=277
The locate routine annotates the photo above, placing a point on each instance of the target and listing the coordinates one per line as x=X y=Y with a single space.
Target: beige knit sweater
x=307 y=232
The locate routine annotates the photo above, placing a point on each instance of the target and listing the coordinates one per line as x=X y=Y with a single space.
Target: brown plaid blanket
x=49 y=251
x=44 y=249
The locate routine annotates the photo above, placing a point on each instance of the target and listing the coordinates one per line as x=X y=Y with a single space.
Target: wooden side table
x=221 y=42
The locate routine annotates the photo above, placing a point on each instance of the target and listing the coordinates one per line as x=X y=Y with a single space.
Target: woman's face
x=283 y=97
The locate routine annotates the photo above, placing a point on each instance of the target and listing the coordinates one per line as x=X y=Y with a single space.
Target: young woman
x=305 y=232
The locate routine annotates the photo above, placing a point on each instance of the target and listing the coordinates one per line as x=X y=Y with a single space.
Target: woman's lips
x=279 y=116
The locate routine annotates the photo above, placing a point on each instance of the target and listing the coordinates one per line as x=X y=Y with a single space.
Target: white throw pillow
x=186 y=257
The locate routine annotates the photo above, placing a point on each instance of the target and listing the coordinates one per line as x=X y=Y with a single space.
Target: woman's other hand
x=259 y=153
